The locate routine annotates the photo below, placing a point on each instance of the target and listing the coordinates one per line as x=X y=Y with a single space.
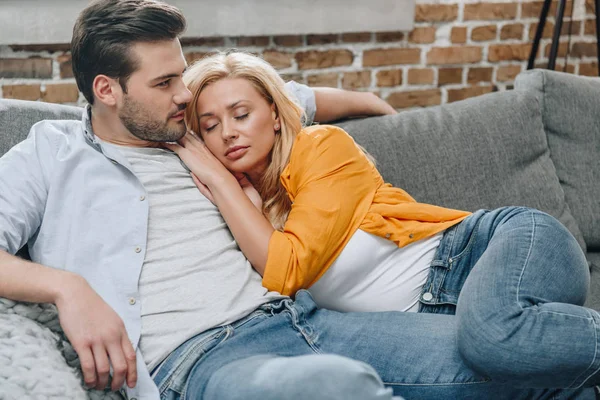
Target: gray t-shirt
x=194 y=276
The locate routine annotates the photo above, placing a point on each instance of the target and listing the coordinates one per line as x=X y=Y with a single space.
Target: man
x=148 y=280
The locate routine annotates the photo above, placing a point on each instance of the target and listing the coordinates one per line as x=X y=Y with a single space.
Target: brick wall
x=455 y=51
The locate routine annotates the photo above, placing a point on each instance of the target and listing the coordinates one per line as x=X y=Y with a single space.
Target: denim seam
x=228 y=330
x=469 y=245
x=436 y=285
x=595 y=360
x=253 y=316
x=441 y=261
x=526 y=262
x=165 y=385
x=297 y=325
x=435 y=272
x=437 y=384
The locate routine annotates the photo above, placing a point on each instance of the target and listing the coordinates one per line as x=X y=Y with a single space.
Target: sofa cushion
x=593 y=300
x=573 y=131
x=485 y=152
x=17 y=117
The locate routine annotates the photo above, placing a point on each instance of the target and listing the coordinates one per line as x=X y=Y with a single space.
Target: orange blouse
x=335 y=190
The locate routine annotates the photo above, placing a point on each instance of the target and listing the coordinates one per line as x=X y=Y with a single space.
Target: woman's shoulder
x=320 y=145
x=317 y=135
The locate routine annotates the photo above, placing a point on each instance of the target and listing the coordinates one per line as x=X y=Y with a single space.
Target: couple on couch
x=133 y=225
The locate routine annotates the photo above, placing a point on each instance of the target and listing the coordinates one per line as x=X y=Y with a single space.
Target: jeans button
x=427 y=296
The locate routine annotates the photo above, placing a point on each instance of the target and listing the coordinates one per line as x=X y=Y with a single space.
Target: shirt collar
x=86 y=120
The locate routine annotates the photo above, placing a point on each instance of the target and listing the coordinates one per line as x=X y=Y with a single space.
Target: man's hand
x=97 y=334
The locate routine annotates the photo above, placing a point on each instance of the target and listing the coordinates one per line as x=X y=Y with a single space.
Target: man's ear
x=107 y=90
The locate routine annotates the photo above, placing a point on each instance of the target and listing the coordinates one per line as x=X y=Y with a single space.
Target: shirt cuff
x=277 y=263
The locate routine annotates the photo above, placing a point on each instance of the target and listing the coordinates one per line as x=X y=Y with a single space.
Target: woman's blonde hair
x=266 y=80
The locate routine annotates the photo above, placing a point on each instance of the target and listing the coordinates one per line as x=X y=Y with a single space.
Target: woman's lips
x=236 y=152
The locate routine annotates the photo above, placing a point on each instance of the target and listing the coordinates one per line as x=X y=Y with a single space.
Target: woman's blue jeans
x=514 y=277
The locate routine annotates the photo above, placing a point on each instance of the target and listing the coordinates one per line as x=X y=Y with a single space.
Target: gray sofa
x=537 y=146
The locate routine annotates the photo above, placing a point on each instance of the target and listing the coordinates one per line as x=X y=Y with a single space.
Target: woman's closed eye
x=242 y=116
x=210 y=128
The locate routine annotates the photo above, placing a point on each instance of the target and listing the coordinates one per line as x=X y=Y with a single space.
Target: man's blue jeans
x=511 y=271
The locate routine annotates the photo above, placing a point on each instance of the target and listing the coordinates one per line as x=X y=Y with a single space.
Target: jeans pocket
x=450 y=267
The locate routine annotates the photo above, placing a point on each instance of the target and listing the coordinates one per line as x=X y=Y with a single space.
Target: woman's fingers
x=174 y=147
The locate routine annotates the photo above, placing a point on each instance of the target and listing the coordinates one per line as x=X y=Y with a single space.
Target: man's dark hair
x=105 y=32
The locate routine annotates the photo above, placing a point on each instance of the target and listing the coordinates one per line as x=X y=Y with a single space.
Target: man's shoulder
x=56 y=131
x=58 y=126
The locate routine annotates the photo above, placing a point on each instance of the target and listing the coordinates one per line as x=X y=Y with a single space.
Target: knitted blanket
x=36 y=359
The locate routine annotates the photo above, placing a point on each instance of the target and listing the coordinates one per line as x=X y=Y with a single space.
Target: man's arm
x=335 y=104
x=322 y=104
x=94 y=329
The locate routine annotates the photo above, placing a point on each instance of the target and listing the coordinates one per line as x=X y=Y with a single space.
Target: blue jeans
x=517 y=280
x=291 y=349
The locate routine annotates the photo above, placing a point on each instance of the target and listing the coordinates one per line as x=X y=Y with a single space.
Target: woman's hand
x=245 y=184
x=206 y=169
x=250 y=191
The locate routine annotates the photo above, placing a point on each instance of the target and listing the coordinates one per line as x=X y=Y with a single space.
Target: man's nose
x=184 y=96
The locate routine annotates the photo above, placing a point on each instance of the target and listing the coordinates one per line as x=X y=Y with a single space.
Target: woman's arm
x=249 y=226
x=332 y=185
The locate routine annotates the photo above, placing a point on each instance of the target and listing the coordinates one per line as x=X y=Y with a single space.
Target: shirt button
x=142 y=198
x=427 y=296
x=411 y=236
x=388 y=235
x=132 y=300
x=138 y=249
x=113 y=161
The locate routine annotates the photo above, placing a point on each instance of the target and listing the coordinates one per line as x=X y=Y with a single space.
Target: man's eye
x=164 y=83
x=243 y=116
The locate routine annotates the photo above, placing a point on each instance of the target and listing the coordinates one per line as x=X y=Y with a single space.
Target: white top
x=374 y=274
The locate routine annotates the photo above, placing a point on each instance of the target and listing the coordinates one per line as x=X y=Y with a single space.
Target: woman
x=322 y=218
x=327 y=212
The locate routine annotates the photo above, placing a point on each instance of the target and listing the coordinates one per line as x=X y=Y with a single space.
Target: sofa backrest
x=485 y=152
x=17 y=117
x=571 y=117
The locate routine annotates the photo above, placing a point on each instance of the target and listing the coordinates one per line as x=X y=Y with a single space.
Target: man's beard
x=143 y=125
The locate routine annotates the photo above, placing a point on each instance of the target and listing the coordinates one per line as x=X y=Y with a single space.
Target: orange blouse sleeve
x=331 y=184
